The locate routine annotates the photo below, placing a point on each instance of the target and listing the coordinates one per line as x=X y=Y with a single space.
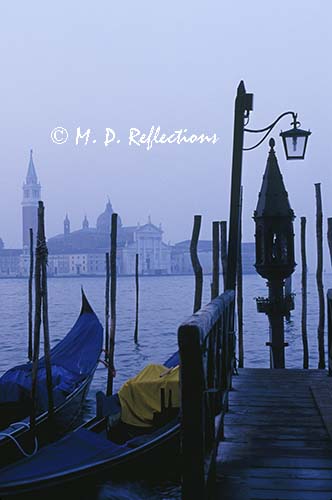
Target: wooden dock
x=261 y=434
x=278 y=437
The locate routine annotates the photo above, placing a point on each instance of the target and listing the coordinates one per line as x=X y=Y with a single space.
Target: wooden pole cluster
x=47 y=345
x=215 y=260
x=107 y=303
x=304 y=294
x=240 y=288
x=223 y=249
x=196 y=264
x=137 y=297
x=30 y=297
x=41 y=315
x=36 y=334
x=111 y=368
x=319 y=276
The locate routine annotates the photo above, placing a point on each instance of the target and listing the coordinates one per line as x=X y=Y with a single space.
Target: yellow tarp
x=140 y=396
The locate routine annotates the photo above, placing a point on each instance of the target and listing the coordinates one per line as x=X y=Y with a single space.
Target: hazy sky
x=174 y=64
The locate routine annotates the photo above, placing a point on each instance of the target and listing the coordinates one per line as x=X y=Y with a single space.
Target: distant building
x=10 y=261
x=181 y=261
x=154 y=254
x=82 y=251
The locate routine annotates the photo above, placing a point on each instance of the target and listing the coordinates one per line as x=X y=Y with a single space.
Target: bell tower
x=31 y=196
x=66 y=225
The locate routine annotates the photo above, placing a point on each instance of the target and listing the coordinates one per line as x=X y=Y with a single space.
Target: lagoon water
x=164 y=303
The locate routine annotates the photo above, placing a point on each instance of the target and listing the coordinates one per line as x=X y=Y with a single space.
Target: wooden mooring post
x=329 y=301
x=30 y=297
x=36 y=335
x=223 y=250
x=329 y=326
x=137 y=297
x=107 y=303
x=239 y=290
x=47 y=346
x=196 y=264
x=319 y=277
x=304 y=294
x=215 y=260
x=111 y=368
x=41 y=314
x=329 y=236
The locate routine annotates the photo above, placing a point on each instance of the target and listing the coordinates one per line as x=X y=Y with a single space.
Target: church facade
x=83 y=251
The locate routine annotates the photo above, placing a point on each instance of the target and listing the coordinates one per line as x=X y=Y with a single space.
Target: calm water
x=164 y=303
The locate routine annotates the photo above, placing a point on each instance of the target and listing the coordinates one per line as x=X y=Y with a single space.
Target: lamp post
x=274 y=253
x=295 y=143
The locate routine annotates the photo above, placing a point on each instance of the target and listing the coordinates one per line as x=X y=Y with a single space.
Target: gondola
x=74 y=360
x=105 y=448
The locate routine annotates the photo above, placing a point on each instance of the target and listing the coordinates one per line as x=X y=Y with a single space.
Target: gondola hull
x=63 y=420
x=99 y=451
x=75 y=358
x=158 y=457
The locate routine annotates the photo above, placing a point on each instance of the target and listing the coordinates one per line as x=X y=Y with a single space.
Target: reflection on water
x=164 y=303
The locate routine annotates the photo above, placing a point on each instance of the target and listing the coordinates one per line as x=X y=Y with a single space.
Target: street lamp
x=295 y=143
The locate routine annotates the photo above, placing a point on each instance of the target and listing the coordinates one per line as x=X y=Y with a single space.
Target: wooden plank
x=271 y=419
x=324 y=444
x=268 y=403
x=266 y=461
x=293 y=473
x=291 y=484
x=253 y=450
x=276 y=445
x=290 y=372
x=275 y=431
x=289 y=495
x=322 y=394
x=271 y=392
x=280 y=411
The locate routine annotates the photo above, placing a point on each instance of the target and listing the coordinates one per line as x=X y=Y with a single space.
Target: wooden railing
x=207 y=344
x=329 y=325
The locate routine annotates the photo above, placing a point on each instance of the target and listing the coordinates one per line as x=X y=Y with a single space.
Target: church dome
x=104 y=219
